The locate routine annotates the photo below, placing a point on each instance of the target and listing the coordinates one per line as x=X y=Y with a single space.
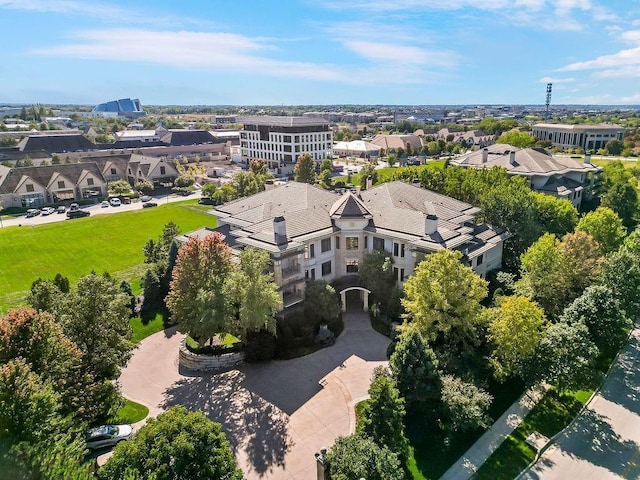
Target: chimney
x=485 y=155
x=587 y=158
x=369 y=182
x=358 y=189
x=268 y=185
x=430 y=219
x=512 y=157
x=280 y=230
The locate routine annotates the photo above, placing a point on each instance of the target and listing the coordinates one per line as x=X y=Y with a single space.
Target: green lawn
x=142 y=329
x=74 y=248
x=130 y=412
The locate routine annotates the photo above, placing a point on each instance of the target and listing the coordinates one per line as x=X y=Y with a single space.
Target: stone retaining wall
x=205 y=363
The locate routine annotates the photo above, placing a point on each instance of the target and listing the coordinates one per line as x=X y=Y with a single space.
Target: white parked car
x=115 y=202
x=145 y=198
x=48 y=210
x=104 y=204
x=107 y=436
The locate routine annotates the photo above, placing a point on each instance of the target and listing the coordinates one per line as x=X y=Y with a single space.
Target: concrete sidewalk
x=473 y=459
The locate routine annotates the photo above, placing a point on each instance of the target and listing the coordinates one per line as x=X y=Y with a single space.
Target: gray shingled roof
x=397 y=209
x=528 y=161
x=56 y=143
x=42 y=174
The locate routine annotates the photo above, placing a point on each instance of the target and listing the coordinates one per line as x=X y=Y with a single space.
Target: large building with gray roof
x=563 y=177
x=586 y=136
x=314 y=234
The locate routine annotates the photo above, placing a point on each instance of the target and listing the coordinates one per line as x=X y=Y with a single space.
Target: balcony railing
x=291 y=271
x=291 y=298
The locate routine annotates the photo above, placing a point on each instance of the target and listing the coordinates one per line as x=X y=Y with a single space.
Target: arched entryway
x=364 y=296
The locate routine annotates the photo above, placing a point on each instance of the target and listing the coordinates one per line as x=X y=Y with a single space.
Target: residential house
x=36 y=186
x=563 y=177
x=313 y=234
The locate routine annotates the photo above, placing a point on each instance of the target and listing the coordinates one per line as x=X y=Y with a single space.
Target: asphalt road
x=94 y=209
x=604 y=440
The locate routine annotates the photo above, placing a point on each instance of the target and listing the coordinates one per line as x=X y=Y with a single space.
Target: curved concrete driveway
x=276 y=415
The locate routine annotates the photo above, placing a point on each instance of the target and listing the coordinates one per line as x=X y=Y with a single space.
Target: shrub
x=259 y=347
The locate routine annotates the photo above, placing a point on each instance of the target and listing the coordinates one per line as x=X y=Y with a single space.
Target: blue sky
x=260 y=52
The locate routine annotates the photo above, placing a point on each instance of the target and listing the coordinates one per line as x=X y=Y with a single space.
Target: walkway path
x=276 y=415
x=473 y=459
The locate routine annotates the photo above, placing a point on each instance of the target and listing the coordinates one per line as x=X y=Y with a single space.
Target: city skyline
x=321 y=52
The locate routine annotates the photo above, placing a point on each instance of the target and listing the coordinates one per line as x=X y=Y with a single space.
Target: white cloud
x=632 y=36
x=399 y=54
x=621 y=59
x=635 y=98
x=225 y=52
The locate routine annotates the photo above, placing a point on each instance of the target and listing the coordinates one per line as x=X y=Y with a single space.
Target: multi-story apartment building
x=588 y=137
x=281 y=140
x=314 y=234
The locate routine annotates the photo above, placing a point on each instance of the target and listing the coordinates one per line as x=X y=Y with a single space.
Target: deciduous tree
x=600 y=311
x=515 y=330
x=564 y=357
x=254 y=292
x=376 y=274
x=517 y=139
x=605 y=227
x=355 y=457
x=464 y=405
x=443 y=298
x=197 y=299
x=176 y=444
x=305 y=169
x=321 y=300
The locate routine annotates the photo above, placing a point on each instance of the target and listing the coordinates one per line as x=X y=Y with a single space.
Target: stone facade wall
x=205 y=363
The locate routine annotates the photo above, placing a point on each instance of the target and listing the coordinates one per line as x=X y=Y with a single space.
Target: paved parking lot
x=276 y=415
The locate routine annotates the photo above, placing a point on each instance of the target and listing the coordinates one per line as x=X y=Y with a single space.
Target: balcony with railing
x=291 y=298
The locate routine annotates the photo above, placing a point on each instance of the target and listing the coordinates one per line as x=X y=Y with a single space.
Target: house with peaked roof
x=36 y=186
x=563 y=177
x=313 y=234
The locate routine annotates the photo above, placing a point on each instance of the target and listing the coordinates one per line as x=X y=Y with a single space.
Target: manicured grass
x=548 y=417
x=603 y=162
x=142 y=329
x=130 y=412
x=74 y=248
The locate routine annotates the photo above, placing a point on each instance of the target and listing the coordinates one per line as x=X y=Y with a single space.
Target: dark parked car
x=149 y=204
x=77 y=213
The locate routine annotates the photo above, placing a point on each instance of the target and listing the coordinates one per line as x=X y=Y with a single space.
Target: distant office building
x=125 y=107
x=588 y=137
x=281 y=140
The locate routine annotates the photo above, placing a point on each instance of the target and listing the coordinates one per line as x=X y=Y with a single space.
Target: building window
x=326 y=268
x=352 y=243
x=89 y=181
x=113 y=171
x=312 y=250
x=378 y=243
x=396 y=249
x=61 y=184
x=396 y=272
x=402 y=250
x=163 y=171
x=337 y=243
x=325 y=245
x=480 y=259
x=366 y=243
x=29 y=187
x=352 y=266
x=402 y=274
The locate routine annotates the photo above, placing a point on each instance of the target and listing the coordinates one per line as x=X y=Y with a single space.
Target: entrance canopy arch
x=363 y=291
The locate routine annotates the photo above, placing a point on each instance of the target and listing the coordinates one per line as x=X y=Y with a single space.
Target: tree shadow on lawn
x=251 y=423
